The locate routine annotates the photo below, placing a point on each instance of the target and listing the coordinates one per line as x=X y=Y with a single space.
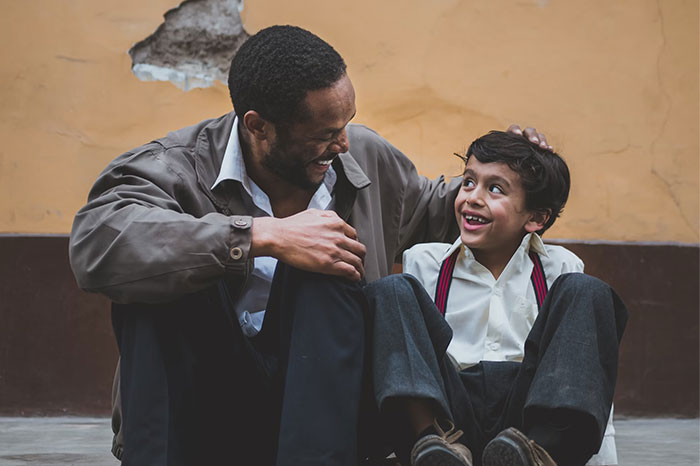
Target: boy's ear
x=537 y=220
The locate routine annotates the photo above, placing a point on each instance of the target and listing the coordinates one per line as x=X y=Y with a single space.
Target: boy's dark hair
x=275 y=68
x=543 y=173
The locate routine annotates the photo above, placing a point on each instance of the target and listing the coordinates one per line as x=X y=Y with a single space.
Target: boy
x=527 y=380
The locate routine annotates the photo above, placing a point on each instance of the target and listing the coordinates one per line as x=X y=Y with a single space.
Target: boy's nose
x=475 y=197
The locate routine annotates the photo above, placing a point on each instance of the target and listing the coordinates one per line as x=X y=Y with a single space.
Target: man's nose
x=341 y=143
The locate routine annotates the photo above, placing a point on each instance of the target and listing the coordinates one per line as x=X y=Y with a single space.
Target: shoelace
x=450 y=435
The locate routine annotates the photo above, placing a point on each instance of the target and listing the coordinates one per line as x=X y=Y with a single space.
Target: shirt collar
x=531 y=241
x=453 y=247
x=232 y=166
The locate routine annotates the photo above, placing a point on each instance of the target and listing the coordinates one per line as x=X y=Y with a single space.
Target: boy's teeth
x=324 y=162
x=476 y=219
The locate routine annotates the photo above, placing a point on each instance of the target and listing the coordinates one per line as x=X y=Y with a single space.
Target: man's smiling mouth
x=324 y=161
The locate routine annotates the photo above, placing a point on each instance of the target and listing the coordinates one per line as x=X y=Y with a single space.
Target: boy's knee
x=579 y=287
x=390 y=282
x=580 y=282
x=396 y=285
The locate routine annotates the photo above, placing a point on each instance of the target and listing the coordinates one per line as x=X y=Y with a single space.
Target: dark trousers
x=570 y=363
x=195 y=390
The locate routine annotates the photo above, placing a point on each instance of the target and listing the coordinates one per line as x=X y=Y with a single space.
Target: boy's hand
x=532 y=135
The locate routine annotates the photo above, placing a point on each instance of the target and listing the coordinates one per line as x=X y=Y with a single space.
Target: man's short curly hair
x=275 y=68
x=543 y=173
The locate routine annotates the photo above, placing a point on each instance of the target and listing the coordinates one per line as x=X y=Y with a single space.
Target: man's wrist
x=263 y=240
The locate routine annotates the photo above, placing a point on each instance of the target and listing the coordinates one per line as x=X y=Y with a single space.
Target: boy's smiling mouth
x=471 y=222
x=475 y=219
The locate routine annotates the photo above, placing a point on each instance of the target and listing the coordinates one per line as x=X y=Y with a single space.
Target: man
x=184 y=234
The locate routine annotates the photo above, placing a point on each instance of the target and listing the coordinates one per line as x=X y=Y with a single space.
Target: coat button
x=241 y=223
x=236 y=253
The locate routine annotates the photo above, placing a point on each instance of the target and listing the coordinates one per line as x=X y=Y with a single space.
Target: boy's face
x=490 y=208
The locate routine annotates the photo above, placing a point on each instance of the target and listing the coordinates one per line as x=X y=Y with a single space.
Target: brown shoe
x=441 y=450
x=512 y=448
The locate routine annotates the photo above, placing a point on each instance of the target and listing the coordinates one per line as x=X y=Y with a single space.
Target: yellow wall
x=613 y=84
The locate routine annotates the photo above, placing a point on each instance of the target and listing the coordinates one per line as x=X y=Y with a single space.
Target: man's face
x=490 y=208
x=302 y=152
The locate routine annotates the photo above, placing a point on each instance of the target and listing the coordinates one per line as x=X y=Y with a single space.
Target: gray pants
x=570 y=362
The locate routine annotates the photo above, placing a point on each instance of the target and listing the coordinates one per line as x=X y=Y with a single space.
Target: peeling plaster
x=193 y=47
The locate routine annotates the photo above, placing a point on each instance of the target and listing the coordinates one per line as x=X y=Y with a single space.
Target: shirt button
x=241 y=223
x=236 y=253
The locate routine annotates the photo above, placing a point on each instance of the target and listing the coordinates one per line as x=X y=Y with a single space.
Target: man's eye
x=496 y=189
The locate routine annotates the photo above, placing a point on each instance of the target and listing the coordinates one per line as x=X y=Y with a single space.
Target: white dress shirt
x=250 y=307
x=491 y=318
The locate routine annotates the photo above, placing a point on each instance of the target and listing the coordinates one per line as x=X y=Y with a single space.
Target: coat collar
x=209 y=155
x=354 y=173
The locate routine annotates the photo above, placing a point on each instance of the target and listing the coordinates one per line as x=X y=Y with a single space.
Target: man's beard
x=289 y=168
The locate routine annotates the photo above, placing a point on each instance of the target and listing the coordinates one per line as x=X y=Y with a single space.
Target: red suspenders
x=538 y=280
x=445 y=280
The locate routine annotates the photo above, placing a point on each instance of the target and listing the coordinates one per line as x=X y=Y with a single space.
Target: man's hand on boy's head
x=531 y=134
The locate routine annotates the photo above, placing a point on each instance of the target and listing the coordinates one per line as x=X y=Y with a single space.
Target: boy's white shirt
x=491 y=318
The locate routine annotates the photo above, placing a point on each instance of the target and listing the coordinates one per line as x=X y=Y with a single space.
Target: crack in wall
x=664 y=123
x=193 y=47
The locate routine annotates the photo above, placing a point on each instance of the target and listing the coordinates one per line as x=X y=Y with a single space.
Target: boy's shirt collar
x=531 y=241
x=534 y=243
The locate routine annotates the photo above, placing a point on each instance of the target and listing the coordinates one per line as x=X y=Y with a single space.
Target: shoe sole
x=437 y=456
x=504 y=452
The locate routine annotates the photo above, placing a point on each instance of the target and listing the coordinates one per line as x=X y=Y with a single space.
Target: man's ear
x=537 y=220
x=257 y=126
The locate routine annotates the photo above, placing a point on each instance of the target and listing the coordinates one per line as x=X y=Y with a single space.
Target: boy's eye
x=496 y=189
x=468 y=183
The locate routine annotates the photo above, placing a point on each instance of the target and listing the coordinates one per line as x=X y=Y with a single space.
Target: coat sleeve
x=134 y=242
x=426 y=211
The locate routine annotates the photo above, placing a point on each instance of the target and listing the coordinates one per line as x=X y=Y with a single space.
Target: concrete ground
x=86 y=441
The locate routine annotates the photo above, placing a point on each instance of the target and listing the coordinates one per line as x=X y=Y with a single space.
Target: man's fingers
x=353 y=253
x=346 y=270
x=354 y=247
x=355 y=262
x=532 y=135
x=515 y=129
x=349 y=231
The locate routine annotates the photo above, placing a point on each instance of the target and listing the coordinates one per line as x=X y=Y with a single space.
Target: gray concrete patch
x=87 y=441
x=55 y=441
x=193 y=46
x=658 y=442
